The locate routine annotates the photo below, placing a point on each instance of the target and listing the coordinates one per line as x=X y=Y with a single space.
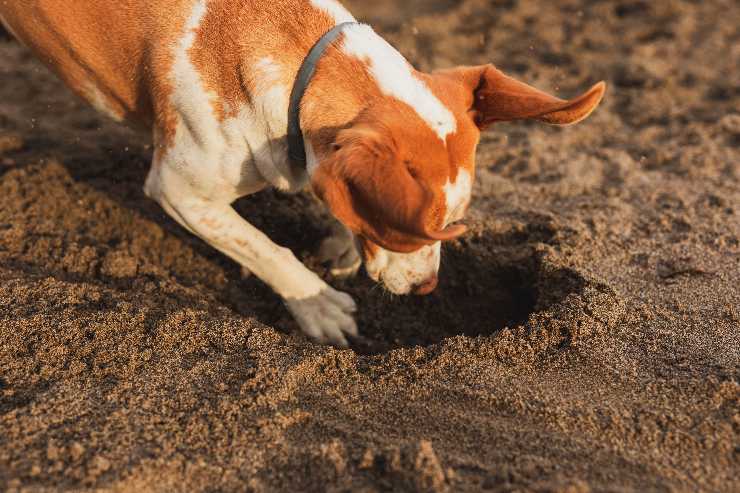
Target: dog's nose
x=427 y=286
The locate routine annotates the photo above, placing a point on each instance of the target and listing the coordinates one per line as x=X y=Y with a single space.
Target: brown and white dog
x=390 y=150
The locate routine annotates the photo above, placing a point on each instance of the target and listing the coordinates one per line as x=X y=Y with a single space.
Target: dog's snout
x=428 y=286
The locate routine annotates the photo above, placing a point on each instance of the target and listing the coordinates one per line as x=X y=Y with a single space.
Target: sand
x=585 y=335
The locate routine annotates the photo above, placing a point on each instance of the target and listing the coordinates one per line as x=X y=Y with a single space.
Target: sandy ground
x=585 y=335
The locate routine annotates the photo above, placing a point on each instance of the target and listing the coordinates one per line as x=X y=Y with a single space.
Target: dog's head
x=401 y=185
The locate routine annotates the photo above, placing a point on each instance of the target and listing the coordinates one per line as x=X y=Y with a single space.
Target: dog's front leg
x=323 y=313
x=339 y=251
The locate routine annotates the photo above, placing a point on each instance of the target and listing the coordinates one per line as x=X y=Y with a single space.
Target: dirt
x=585 y=336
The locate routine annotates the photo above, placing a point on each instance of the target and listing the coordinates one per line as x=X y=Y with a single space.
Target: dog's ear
x=498 y=97
x=374 y=193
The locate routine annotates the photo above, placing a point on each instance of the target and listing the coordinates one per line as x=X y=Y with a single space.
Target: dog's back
x=97 y=51
x=119 y=55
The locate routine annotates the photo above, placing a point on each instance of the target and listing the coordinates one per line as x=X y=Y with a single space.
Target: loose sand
x=585 y=335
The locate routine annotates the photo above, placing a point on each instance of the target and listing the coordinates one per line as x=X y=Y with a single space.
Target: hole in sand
x=487 y=283
x=484 y=288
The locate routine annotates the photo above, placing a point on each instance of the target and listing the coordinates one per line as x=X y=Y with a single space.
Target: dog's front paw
x=327 y=317
x=340 y=253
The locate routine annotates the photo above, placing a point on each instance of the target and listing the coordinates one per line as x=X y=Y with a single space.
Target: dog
x=241 y=95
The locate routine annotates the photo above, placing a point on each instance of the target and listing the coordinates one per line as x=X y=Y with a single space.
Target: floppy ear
x=499 y=97
x=372 y=192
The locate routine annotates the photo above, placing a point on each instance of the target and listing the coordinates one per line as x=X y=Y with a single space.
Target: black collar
x=296 y=146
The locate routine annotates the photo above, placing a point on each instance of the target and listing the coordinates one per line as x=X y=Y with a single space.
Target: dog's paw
x=327 y=317
x=340 y=253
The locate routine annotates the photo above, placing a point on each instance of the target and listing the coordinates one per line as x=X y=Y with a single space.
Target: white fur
x=312 y=161
x=457 y=195
x=335 y=9
x=269 y=112
x=189 y=97
x=98 y=101
x=395 y=78
x=400 y=273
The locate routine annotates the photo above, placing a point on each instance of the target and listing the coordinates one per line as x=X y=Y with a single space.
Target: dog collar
x=296 y=145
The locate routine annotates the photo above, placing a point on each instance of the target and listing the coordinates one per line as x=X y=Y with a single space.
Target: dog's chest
x=231 y=112
x=247 y=148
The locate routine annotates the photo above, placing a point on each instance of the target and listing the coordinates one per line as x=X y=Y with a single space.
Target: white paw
x=340 y=253
x=327 y=317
